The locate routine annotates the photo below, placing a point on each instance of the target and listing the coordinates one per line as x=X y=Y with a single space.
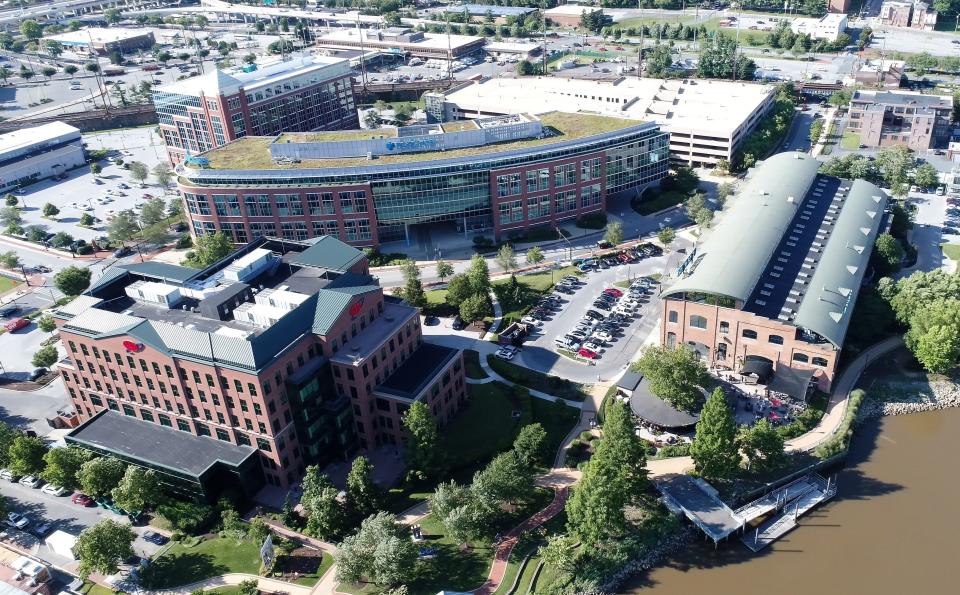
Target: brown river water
x=893 y=529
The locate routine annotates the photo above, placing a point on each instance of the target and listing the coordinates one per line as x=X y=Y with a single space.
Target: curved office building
x=500 y=175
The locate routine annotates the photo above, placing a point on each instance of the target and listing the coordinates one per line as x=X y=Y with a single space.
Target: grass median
x=534 y=380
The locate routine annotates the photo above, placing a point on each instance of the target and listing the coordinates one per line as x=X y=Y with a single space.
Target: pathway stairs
x=793 y=501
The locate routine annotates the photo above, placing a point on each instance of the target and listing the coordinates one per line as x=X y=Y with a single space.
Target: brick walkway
x=505 y=548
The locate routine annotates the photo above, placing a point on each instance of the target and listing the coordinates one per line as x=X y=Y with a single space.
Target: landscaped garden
x=474 y=370
x=518 y=293
x=195 y=559
x=534 y=380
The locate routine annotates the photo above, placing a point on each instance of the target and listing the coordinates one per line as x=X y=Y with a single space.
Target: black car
x=37 y=374
x=458 y=323
x=9 y=311
x=122 y=251
x=42 y=530
x=603 y=244
x=602 y=305
x=603 y=264
x=154 y=537
x=431 y=320
x=594 y=315
x=42 y=269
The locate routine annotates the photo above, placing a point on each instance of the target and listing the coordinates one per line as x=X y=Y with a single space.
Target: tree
x=893 y=163
x=722 y=167
x=63 y=466
x=9 y=259
x=613 y=478
x=208 y=249
x=887 y=254
x=725 y=191
x=534 y=255
x=102 y=547
x=86 y=220
x=11 y=200
x=95 y=169
x=231 y=525
x=413 y=288
x=161 y=172
x=48 y=71
x=153 y=211
x=506 y=258
x=694 y=205
x=37 y=233
x=714 y=449
x=720 y=58
x=72 y=280
x=10 y=217
x=762 y=445
x=614 y=233
x=934 y=335
x=138 y=171
x=248 y=587
x=531 y=445
x=666 y=236
x=26 y=455
x=675 y=374
x=325 y=517
x=112 y=16
x=704 y=218
x=560 y=552
x=258 y=530
x=371 y=119
x=91 y=67
x=926 y=175
x=423 y=454
x=5 y=73
x=187 y=517
x=362 y=493
x=525 y=68
x=31 y=29
x=479 y=274
x=475 y=307
x=50 y=210
x=123 y=227
x=380 y=552
x=99 y=476
x=163 y=57
x=46 y=323
x=444 y=269
x=26 y=73
x=70 y=70
x=45 y=357
x=138 y=490
x=459 y=289
x=504 y=480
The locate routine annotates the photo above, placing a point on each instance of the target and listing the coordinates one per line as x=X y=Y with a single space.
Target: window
x=724 y=327
x=801 y=357
x=697 y=321
x=183 y=426
x=508 y=184
x=819 y=361
x=672 y=316
x=748 y=334
x=564 y=175
x=775 y=339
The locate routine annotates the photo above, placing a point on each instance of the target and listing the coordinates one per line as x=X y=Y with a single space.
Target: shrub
x=184 y=242
x=841 y=438
x=85 y=249
x=592 y=221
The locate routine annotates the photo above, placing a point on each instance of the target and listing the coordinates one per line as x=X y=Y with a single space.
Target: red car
x=584 y=352
x=613 y=291
x=82 y=500
x=16 y=324
x=619 y=48
x=602 y=49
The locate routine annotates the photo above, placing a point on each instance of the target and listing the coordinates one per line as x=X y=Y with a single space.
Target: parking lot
x=540 y=352
x=79 y=193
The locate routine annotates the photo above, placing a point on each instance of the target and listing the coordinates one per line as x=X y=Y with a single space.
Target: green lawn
x=552 y=385
x=472 y=359
x=437 y=304
x=653 y=201
x=6 y=284
x=850 y=140
x=556 y=420
x=483 y=427
x=951 y=251
x=89 y=588
x=309 y=580
x=182 y=565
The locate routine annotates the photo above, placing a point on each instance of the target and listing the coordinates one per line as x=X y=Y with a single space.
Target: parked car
x=37 y=374
x=155 y=538
x=604 y=244
x=8 y=475
x=506 y=353
x=9 y=311
x=595 y=347
x=16 y=324
x=122 y=251
x=587 y=353
x=82 y=500
x=613 y=291
x=594 y=315
x=603 y=336
x=458 y=323
x=42 y=530
x=54 y=490
x=20 y=521
x=530 y=320
x=31 y=481
x=566 y=343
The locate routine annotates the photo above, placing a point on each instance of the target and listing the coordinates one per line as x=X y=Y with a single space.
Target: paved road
x=929 y=231
x=30 y=410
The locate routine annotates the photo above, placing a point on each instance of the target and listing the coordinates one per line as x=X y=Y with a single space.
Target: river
x=893 y=529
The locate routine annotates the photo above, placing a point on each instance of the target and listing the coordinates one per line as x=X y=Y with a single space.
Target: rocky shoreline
x=901 y=398
x=667 y=546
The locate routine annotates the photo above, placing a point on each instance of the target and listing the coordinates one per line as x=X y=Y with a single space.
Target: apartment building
x=295 y=95
x=782 y=295
x=884 y=118
x=283 y=355
x=908 y=14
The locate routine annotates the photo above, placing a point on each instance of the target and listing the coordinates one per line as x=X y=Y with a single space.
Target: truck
x=114 y=71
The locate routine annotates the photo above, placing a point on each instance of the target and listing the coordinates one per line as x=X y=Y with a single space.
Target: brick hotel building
x=505 y=174
x=283 y=355
x=781 y=296
x=299 y=94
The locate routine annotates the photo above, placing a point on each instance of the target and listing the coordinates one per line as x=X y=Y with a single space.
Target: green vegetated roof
x=253 y=152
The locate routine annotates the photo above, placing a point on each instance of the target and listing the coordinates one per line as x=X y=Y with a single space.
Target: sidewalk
x=265 y=584
x=494 y=377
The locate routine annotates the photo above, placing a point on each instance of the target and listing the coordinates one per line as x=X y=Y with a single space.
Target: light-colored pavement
x=266 y=585
x=29 y=410
x=928 y=233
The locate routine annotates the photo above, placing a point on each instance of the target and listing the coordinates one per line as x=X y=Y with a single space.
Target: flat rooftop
x=158 y=445
x=395 y=316
x=417 y=372
x=702 y=507
x=29 y=137
x=252 y=152
x=98 y=35
x=432 y=41
x=716 y=108
x=904 y=98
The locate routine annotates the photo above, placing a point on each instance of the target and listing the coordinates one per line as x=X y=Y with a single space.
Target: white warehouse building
x=32 y=154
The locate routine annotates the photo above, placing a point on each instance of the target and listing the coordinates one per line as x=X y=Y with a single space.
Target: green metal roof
x=162 y=270
x=828 y=305
x=733 y=254
x=328 y=253
x=331 y=303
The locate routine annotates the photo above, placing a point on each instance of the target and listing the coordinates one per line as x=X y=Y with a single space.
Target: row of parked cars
x=625 y=256
x=550 y=304
x=590 y=336
x=24 y=522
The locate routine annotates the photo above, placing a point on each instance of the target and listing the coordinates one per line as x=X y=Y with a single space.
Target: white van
x=565 y=343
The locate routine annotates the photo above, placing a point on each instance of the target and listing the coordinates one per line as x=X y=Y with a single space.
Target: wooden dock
x=802 y=500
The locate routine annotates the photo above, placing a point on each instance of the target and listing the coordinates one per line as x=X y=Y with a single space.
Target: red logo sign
x=355 y=308
x=134 y=347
